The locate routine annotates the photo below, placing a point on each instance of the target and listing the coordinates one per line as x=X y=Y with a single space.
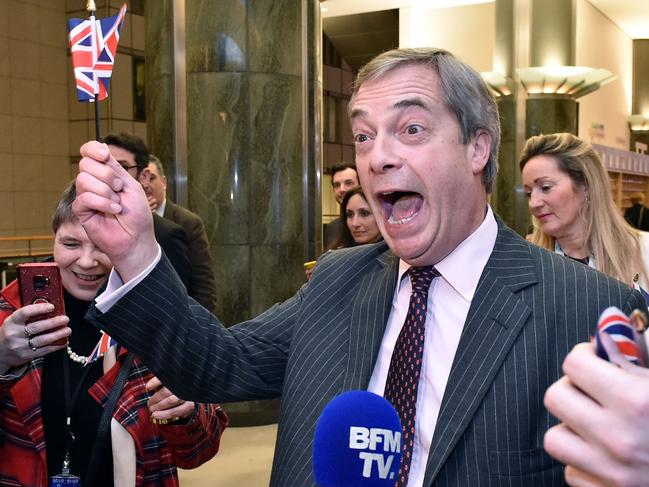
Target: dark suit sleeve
x=188 y=348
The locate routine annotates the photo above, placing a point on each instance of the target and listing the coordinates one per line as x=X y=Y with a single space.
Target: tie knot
x=421 y=277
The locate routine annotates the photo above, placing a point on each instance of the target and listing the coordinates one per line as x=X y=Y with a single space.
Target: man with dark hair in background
x=343 y=178
x=202 y=285
x=133 y=155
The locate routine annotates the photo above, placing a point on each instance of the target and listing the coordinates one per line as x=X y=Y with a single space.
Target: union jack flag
x=93 y=44
x=618 y=326
x=104 y=343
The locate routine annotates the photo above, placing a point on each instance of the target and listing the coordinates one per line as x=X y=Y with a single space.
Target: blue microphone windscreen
x=357 y=442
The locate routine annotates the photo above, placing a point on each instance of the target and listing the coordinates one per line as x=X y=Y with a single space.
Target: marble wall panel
x=4 y=18
x=28 y=208
x=216 y=35
x=232 y=270
x=5 y=133
x=276 y=159
x=549 y=115
x=274 y=36
x=159 y=39
x=217 y=153
x=268 y=263
x=26 y=135
x=160 y=115
x=5 y=56
x=7 y=213
x=23 y=21
x=7 y=171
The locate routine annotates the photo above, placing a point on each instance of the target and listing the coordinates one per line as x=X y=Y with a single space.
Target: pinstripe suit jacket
x=529 y=309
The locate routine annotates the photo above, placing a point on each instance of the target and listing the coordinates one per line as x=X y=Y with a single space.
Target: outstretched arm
x=112 y=207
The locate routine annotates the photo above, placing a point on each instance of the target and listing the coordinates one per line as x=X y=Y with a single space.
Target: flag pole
x=91 y=7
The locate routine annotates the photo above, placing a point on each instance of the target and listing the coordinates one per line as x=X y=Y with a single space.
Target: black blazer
x=530 y=308
x=173 y=241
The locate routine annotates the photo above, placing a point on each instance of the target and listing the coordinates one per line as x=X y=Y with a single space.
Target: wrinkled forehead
x=395 y=87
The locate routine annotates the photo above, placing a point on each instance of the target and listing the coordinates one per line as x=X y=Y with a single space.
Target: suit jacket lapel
x=495 y=318
x=370 y=311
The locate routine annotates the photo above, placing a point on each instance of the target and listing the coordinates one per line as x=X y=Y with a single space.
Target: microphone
x=357 y=442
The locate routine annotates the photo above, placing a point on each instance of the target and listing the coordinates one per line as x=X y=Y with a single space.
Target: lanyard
x=71 y=400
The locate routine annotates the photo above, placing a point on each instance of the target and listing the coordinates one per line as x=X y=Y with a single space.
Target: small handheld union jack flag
x=104 y=343
x=621 y=330
x=93 y=44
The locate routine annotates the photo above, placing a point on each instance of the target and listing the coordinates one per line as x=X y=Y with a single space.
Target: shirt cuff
x=116 y=289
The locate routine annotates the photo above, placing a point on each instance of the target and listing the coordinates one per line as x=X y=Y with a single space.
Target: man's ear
x=479 y=150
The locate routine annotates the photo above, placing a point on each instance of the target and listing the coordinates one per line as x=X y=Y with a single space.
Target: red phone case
x=41 y=283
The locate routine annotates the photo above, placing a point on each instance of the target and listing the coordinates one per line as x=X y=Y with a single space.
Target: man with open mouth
x=455 y=319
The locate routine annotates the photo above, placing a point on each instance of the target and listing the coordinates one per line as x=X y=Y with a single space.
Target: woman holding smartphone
x=57 y=380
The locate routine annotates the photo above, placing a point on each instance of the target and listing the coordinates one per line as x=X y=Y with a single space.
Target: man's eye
x=413 y=129
x=361 y=138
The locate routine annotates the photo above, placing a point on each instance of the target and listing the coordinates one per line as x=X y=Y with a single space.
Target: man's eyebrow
x=357 y=112
x=410 y=102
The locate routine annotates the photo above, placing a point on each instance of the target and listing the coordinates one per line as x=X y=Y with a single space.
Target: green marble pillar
x=159 y=80
x=507 y=199
x=548 y=114
x=253 y=145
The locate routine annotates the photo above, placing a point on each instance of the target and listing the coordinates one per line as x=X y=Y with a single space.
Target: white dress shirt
x=160 y=210
x=449 y=298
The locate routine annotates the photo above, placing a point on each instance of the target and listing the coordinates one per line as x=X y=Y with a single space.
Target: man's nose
x=384 y=156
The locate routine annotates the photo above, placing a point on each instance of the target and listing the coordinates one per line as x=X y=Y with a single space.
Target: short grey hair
x=464 y=93
x=154 y=160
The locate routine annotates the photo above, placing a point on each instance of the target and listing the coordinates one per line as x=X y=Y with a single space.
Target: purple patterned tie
x=405 y=365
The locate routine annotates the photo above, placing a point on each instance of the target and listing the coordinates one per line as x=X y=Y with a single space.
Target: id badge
x=65 y=479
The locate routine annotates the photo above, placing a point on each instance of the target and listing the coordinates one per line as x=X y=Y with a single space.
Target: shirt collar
x=160 y=210
x=463 y=267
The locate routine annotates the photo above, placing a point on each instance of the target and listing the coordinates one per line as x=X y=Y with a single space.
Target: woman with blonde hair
x=569 y=196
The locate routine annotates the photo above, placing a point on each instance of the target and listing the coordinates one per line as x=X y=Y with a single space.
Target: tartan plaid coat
x=159 y=448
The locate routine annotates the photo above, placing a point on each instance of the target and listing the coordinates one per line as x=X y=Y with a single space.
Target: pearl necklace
x=80 y=359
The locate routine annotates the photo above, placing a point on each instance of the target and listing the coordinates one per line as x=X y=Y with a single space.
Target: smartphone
x=41 y=283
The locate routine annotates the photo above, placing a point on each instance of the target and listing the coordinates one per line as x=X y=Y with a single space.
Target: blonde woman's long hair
x=609 y=238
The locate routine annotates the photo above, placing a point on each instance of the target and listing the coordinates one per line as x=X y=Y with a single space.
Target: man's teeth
x=392 y=221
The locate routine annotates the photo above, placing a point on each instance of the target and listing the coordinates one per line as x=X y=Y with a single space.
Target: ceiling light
x=571 y=81
x=638 y=123
x=500 y=86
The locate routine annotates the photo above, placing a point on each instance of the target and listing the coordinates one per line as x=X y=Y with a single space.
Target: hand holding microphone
x=357 y=442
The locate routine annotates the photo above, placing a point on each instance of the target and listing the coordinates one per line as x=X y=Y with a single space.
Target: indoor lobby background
x=244 y=101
